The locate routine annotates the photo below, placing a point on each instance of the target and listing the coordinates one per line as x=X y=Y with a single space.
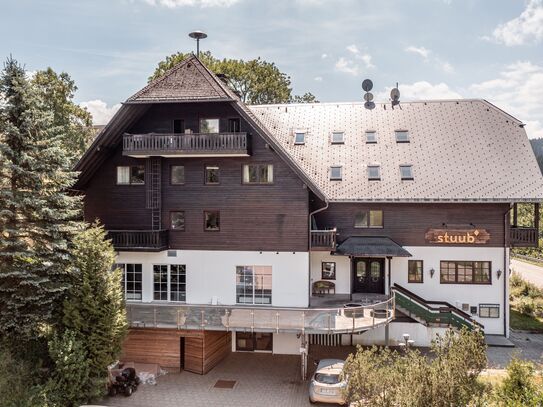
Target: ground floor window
x=414 y=271
x=489 y=310
x=253 y=284
x=169 y=282
x=465 y=272
x=132 y=281
x=256 y=341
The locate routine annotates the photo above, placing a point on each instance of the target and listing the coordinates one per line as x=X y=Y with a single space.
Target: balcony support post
x=515 y=215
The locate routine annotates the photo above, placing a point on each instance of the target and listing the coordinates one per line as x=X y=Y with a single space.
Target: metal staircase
x=432 y=313
x=154 y=190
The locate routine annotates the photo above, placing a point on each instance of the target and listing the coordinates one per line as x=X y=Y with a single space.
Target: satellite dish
x=369 y=105
x=395 y=94
x=198 y=35
x=368 y=97
x=367 y=85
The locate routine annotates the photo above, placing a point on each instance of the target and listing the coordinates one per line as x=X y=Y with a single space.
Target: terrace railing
x=523 y=237
x=133 y=240
x=260 y=318
x=201 y=144
x=323 y=239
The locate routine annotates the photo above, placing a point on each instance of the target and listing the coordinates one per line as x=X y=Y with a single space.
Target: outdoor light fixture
x=432 y=271
x=499 y=273
x=407 y=343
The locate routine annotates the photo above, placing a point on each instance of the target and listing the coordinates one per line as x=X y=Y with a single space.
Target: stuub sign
x=457 y=236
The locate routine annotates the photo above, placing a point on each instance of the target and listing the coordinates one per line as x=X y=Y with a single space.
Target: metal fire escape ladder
x=154 y=190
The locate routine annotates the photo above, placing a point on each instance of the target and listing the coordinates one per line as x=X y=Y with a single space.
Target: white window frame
x=398 y=134
x=406 y=178
x=253 y=286
x=209 y=119
x=336 y=178
x=335 y=141
x=123 y=267
x=378 y=177
x=298 y=142
x=169 y=282
x=245 y=179
x=374 y=133
x=489 y=307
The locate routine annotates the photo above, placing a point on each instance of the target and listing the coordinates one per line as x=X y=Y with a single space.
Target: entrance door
x=369 y=275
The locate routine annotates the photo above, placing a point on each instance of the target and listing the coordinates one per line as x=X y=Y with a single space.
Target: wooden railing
x=323 y=239
x=185 y=144
x=523 y=237
x=139 y=239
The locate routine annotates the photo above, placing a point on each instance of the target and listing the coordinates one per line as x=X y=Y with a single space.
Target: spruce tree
x=38 y=217
x=94 y=308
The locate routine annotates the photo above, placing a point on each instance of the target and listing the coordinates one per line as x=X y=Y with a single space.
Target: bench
x=324 y=287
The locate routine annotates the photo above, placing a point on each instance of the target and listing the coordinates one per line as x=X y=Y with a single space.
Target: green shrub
x=15 y=380
x=525 y=305
x=519 y=387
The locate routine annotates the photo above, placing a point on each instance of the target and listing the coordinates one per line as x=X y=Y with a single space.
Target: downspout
x=506 y=269
x=309 y=244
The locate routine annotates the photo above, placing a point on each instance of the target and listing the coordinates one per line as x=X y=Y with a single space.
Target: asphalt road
x=528 y=271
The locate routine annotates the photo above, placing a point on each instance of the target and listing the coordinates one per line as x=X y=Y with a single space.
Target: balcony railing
x=523 y=237
x=133 y=240
x=199 y=144
x=261 y=319
x=323 y=239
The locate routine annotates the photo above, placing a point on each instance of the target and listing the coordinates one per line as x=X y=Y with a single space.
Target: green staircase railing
x=438 y=313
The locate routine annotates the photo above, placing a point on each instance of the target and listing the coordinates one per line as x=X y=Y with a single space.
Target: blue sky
x=433 y=48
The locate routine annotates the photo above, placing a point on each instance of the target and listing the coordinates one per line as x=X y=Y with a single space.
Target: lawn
x=525 y=322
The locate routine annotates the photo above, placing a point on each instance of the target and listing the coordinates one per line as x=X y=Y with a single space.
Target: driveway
x=528 y=271
x=261 y=379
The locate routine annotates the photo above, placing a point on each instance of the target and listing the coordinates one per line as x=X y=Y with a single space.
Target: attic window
x=335 y=173
x=299 y=137
x=402 y=136
x=371 y=137
x=374 y=173
x=406 y=172
x=338 y=137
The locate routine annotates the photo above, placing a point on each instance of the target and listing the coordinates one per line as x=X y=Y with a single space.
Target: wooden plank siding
x=407 y=223
x=253 y=217
x=203 y=349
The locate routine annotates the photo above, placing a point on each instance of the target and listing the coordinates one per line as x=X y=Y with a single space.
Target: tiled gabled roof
x=465 y=150
x=186 y=81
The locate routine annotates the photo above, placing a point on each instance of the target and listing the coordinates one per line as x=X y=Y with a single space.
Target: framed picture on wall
x=328 y=270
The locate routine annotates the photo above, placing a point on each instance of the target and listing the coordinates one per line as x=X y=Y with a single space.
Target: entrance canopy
x=372 y=246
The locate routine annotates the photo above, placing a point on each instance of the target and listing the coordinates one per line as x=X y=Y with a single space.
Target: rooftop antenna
x=395 y=96
x=367 y=85
x=198 y=35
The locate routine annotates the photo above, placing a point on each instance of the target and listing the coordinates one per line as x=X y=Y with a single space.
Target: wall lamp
x=499 y=273
x=432 y=272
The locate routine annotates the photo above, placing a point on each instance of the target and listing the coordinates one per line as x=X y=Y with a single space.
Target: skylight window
x=406 y=172
x=336 y=173
x=338 y=137
x=299 y=137
x=371 y=137
x=374 y=172
x=402 y=136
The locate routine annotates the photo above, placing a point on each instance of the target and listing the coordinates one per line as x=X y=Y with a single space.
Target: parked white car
x=326 y=385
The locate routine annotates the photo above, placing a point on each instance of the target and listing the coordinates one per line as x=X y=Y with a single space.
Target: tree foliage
x=256 y=81
x=94 y=308
x=519 y=387
x=448 y=377
x=57 y=92
x=37 y=215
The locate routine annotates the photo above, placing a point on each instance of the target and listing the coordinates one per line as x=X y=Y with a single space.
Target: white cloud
x=423 y=52
x=318 y=78
x=517 y=91
x=528 y=27
x=353 y=49
x=366 y=58
x=192 y=3
x=424 y=90
x=445 y=66
x=101 y=113
x=324 y=56
x=347 y=66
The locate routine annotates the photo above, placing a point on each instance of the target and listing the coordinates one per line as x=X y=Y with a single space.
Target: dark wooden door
x=369 y=275
x=181 y=353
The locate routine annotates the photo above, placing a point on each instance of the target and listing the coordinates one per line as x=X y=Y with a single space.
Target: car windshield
x=327 y=378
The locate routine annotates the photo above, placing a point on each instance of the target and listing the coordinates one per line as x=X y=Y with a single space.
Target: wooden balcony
x=186 y=145
x=139 y=240
x=523 y=237
x=324 y=240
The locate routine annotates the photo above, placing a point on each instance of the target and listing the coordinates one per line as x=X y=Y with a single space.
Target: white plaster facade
x=211 y=274
x=431 y=289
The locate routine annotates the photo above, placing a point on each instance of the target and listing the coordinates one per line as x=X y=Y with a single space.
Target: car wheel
x=128 y=391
